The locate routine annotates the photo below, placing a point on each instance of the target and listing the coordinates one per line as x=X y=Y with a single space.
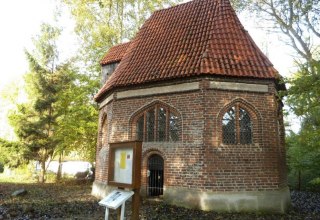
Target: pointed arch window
x=237 y=126
x=158 y=123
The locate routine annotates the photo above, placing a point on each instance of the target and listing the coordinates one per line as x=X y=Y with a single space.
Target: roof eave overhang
x=280 y=85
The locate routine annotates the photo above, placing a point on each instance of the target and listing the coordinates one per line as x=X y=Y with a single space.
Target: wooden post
x=135 y=204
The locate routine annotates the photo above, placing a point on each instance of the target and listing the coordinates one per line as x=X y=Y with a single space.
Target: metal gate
x=155 y=175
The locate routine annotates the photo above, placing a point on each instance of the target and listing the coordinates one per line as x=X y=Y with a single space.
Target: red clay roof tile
x=202 y=37
x=115 y=54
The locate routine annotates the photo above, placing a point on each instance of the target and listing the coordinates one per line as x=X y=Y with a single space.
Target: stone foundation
x=250 y=201
x=100 y=189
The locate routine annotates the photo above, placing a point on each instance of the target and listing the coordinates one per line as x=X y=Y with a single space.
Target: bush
x=1 y=168
x=20 y=174
x=293 y=180
x=314 y=185
x=50 y=177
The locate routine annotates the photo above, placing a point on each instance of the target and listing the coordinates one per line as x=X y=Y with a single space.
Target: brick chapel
x=196 y=89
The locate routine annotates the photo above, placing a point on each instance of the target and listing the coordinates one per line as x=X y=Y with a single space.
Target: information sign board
x=124 y=168
x=116 y=198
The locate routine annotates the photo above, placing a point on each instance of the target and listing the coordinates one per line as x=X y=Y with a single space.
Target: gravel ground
x=306 y=202
x=75 y=202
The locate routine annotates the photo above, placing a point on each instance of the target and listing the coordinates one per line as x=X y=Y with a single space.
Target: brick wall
x=200 y=160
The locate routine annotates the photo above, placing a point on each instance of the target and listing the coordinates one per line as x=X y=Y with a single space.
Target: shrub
x=314 y=185
x=1 y=168
x=20 y=174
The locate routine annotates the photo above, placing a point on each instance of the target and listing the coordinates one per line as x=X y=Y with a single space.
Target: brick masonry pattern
x=199 y=160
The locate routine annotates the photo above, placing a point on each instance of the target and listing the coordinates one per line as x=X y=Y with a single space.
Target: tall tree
x=35 y=122
x=304 y=147
x=77 y=121
x=60 y=116
x=78 y=117
x=299 y=23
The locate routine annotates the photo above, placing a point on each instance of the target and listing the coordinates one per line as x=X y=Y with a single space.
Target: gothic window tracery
x=237 y=126
x=157 y=124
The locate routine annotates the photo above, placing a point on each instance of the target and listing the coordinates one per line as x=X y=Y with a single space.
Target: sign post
x=114 y=200
x=124 y=171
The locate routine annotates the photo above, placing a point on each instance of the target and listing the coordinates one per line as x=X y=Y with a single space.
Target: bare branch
x=290 y=12
x=312 y=27
x=295 y=46
x=285 y=19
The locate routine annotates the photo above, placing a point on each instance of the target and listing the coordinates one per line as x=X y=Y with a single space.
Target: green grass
x=16 y=178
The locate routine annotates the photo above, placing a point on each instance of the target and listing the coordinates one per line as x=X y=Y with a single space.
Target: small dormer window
x=107 y=70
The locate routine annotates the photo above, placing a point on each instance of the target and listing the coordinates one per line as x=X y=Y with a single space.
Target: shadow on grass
x=48 y=200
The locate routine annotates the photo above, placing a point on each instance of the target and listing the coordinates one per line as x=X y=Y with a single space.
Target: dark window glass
x=140 y=125
x=158 y=124
x=229 y=127
x=150 y=125
x=173 y=128
x=236 y=126
x=162 y=118
x=245 y=127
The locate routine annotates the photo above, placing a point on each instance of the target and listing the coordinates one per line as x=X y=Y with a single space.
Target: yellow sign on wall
x=123 y=157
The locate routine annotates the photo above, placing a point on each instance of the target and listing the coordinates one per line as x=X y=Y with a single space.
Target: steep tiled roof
x=202 y=37
x=115 y=54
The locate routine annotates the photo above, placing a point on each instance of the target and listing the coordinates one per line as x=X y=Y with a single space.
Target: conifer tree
x=35 y=122
x=60 y=115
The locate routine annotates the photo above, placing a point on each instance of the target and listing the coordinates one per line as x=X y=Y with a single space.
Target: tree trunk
x=42 y=172
x=59 y=172
x=299 y=180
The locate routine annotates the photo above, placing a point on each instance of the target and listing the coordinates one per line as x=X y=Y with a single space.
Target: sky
x=20 y=21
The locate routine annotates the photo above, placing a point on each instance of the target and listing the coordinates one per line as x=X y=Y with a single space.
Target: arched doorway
x=155 y=175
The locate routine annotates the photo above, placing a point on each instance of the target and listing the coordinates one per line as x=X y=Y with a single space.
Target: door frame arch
x=155 y=178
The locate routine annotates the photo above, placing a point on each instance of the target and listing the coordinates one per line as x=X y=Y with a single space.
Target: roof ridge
x=174 y=6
